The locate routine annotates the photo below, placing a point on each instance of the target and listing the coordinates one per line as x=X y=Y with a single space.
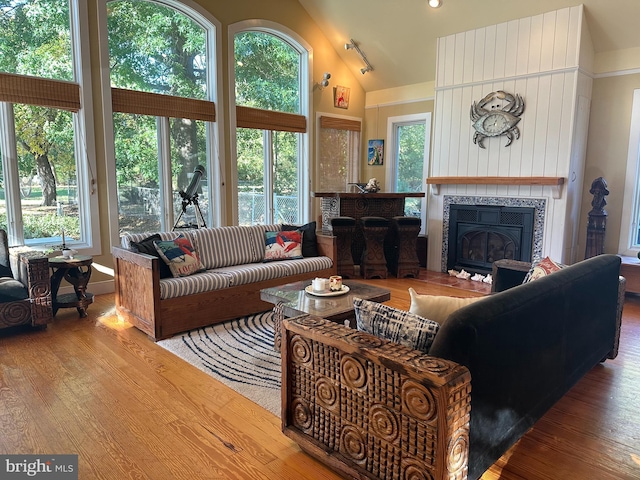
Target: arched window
x=47 y=181
x=162 y=76
x=271 y=124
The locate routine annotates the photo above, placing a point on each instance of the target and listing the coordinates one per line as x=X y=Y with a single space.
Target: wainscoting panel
x=543 y=43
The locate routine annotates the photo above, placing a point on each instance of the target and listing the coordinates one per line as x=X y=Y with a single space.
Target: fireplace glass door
x=479 y=235
x=480 y=247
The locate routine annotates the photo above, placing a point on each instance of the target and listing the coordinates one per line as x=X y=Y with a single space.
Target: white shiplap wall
x=539 y=58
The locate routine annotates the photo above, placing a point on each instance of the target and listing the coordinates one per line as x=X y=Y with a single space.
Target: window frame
x=84 y=147
x=391 y=168
x=306 y=139
x=214 y=130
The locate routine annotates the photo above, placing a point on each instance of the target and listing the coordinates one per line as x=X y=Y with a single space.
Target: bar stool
x=342 y=228
x=404 y=233
x=373 y=262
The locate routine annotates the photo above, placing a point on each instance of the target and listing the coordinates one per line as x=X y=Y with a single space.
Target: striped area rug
x=238 y=353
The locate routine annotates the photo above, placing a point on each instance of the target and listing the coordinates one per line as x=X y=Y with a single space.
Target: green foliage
x=136 y=150
x=156 y=49
x=267 y=72
x=267 y=76
x=35 y=38
x=411 y=157
x=46 y=225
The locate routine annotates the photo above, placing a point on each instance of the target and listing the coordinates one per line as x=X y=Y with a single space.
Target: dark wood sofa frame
x=137 y=295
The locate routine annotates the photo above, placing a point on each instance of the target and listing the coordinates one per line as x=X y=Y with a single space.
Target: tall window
x=271 y=123
x=338 y=153
x=408 y=169
x=161 y=98
x=45 y=172
x=630 y=227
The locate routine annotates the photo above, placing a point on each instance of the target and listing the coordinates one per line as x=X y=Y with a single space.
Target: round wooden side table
x=76 y=271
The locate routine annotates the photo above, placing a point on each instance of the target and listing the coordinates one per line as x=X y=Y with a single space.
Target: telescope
x=190 y=197
x=192 y=189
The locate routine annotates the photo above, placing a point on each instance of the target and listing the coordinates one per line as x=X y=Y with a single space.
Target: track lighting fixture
x=435 y=3
x=324 y=82
x=353 y=45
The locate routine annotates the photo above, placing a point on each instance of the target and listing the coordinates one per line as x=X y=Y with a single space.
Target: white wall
x=538 y=58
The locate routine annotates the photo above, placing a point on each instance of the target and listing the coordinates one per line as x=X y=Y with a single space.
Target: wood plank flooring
x=101 y=389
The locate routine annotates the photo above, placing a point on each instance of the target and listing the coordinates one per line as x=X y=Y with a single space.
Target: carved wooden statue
x=597 y=224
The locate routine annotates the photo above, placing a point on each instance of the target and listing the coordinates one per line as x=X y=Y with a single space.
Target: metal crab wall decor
x=499 y=118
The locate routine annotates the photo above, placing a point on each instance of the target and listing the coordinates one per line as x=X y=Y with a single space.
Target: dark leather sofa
x=373 y=409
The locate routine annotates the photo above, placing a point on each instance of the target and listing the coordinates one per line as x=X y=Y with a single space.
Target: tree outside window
x=38 y=142
x=155 y=48
x=267 y=77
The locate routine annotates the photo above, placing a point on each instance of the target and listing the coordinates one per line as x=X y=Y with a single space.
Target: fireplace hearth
x=481 y=234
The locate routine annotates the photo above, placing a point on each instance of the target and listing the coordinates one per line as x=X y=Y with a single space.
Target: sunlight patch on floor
x=110 y=319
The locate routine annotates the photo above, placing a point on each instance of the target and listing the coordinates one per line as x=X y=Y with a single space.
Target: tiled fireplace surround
x=539 y=204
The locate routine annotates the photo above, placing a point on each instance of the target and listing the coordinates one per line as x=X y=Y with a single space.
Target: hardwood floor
x=101 y=389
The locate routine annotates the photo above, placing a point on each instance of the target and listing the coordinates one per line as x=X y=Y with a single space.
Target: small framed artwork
x=375 y=153
x=341 y=97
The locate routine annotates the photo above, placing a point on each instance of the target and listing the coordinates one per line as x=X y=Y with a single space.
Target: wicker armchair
x=25 y=287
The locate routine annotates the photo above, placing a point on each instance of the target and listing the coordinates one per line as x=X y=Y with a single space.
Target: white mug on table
x=319 y=284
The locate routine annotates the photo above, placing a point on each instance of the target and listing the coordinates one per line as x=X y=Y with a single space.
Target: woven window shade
x=158 y=105
x=39 y=91
x=248 y=117
x=340 y=124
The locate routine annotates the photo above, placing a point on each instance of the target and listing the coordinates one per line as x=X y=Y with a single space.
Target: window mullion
x=11 y=179
x=164 y=172
x=268 y=175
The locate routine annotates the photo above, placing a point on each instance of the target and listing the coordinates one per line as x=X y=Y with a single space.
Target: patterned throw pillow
x=180 y=255
x=399 y=326
x=437 y=307
x=309 y=238
x=542 y=268
x=282 y=245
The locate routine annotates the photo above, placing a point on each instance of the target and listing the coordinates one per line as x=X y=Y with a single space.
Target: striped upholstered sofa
x=228 y=288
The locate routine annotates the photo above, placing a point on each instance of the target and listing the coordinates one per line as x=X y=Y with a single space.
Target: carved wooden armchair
x=25 y=287
x=370 y=408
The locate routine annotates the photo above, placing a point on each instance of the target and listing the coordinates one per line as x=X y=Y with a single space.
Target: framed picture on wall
x=375 y=153
x=341 y=97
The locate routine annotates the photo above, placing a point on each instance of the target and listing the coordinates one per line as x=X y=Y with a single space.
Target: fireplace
x=481 y=234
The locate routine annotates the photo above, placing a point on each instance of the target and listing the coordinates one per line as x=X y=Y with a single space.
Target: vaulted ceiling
x=399 y=36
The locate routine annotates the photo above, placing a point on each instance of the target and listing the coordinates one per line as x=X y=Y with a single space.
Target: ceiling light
x=353 y=45
x=435 y=3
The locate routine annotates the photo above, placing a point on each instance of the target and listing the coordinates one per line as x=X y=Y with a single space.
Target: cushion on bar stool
x=342 y=228
x=342 y=222
x=373 y=262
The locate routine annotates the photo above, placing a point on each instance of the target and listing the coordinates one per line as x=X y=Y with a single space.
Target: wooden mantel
x=554 y=182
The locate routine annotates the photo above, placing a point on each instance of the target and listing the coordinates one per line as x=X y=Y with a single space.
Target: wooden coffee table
x=291 y=300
